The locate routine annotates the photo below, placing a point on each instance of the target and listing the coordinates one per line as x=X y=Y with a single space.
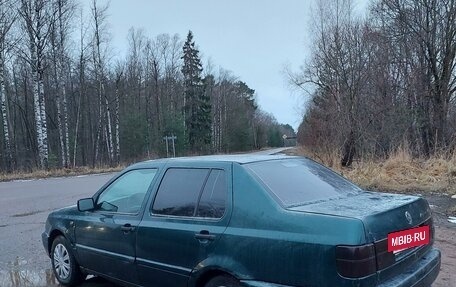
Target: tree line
x=381 y=81
x=66 y=101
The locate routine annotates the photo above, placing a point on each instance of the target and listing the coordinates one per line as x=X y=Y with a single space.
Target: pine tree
x=197 y=106
x=205 y=116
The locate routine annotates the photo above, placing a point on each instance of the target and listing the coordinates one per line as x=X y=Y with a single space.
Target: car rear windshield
x=301 y=181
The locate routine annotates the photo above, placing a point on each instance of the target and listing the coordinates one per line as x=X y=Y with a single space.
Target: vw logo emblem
x=408 y=216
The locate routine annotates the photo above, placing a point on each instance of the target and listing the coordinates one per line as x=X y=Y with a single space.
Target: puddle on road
x=27 y=278
x=16 y=276
x=22 y=278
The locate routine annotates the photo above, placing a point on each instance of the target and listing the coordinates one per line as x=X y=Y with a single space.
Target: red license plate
x=405 y=239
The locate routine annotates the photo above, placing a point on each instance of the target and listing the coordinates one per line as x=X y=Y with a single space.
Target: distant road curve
x=272 y=151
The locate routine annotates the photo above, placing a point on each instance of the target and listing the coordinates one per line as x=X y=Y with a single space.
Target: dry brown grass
x=400 y=172
x=57 y=172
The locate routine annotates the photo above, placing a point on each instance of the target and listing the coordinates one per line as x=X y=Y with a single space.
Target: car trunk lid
x=381 y=213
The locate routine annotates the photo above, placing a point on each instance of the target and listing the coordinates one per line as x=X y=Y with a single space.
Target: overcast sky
x=255 y=39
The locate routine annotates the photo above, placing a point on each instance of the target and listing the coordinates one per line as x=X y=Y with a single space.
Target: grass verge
x=57 y=172
x=400 y=172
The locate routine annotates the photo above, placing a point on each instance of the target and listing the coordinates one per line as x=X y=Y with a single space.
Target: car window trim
x=201 y=192
x=116 y=213
x=214 y=219
x=189 y=218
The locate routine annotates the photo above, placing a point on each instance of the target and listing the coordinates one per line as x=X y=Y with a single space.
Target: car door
x=188 y=214
x=106 y=236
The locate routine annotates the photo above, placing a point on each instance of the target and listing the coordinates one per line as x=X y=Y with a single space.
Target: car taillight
x=384 y=258
x=356 y=261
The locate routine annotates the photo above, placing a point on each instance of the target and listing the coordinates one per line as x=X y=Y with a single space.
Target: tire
x=64 y=265
x=223 y=281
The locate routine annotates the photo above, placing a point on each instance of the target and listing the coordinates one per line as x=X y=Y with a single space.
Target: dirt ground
x=445 y=237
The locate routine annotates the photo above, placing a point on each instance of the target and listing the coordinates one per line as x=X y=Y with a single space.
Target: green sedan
x=242 y=220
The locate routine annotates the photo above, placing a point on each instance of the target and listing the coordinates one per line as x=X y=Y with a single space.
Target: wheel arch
x=216 y=266
x=205 y=276
x=52 y=236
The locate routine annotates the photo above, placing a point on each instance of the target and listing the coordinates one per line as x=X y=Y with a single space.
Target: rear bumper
x=421 y=274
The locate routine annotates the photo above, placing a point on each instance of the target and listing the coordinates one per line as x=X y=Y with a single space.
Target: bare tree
x=119 y=76
x=37 y=19
x=383 y=82
x=81 y=68
x=63 y=9
x=7 y=18
x=98 y=17
x=338 y=72
x=432 y=25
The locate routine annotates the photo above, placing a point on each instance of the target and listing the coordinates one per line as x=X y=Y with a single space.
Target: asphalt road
x=24 y=206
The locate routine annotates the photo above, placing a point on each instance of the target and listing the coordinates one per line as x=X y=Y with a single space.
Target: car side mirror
x=86 y=204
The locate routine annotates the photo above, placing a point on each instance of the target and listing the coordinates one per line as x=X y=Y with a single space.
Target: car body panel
x=167 y=248
x=60 y=222
x=103 y=246
x=290 y=240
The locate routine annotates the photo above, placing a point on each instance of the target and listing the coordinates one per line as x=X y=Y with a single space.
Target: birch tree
x=7 y=18
x=81 y=81
x=119 y=76
x=63 y=10
x=36 y=19
x=98 y=18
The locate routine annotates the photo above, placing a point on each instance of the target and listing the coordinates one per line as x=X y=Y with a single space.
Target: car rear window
x=300 y=181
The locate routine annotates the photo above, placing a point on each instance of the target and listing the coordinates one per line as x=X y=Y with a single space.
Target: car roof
x=236 y=158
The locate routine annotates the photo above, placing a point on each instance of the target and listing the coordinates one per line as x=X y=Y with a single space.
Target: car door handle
x=127 y=228
x=204 y=235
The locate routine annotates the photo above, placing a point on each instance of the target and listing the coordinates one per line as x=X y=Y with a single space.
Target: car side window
x=213 y=198
x=192 y=193
x=179 y=191
x=126 y=194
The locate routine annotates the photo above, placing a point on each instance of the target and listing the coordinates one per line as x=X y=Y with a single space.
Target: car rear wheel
x=223 y=281
x=64 y=265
